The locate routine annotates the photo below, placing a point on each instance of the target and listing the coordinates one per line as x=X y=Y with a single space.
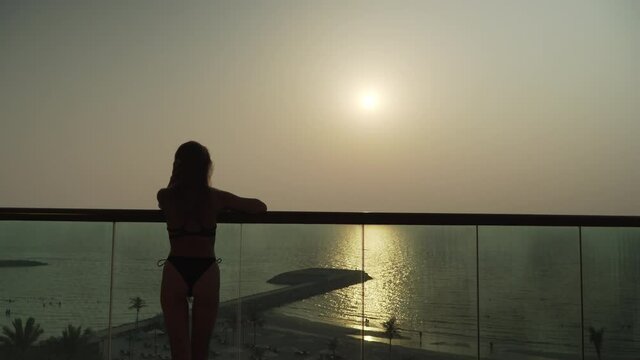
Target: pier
x=300 y=284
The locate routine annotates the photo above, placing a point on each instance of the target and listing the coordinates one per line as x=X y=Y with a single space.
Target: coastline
x=292 y=338
x=280 y=336
x=349 y=339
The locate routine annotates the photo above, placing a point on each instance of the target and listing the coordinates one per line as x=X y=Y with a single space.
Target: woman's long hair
x=190 y=177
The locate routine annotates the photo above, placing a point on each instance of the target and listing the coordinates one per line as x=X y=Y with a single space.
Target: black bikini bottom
x=191 y=268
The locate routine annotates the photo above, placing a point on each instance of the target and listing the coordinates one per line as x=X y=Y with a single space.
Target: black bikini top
x=182 y=232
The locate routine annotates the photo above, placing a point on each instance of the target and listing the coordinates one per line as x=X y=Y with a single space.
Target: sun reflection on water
x=385 y=259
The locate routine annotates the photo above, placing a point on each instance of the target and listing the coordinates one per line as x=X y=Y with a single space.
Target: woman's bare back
x=172 y=203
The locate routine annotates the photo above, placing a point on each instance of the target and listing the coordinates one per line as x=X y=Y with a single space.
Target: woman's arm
x=234 y=202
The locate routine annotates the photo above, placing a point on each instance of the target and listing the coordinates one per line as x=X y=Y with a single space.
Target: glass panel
x=58 y=274
x=139 y=247
x=529 y=281
x=611 y=274
x=425 y=278
x=226 y=337
x=315 y=311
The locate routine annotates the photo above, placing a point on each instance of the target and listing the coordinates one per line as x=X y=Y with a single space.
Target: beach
x=282 y=337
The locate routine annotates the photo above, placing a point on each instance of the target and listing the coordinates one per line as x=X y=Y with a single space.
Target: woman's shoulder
x=168 y=195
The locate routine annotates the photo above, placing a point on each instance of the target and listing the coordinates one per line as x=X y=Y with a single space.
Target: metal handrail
x=310 y=217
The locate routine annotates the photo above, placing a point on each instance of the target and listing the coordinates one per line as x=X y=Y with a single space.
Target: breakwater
x=298 y=285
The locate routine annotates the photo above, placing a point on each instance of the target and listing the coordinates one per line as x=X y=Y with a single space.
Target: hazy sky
x=478 y=106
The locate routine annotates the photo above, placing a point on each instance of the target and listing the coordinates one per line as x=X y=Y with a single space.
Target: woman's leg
x=173 y=298
x=206 y=298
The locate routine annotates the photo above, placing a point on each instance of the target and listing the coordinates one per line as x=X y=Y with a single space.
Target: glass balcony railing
x=85 y=284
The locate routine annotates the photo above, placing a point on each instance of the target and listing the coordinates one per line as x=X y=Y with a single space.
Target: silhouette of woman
x=191 y=207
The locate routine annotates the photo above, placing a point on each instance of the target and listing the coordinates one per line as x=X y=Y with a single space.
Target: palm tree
x=73 y=338
x=333 y=345
x=224 y=324
x=137 y=303
x=156 y=328
x=595 y=336
x=21 y=338
x=391 y=329
x=257 y=353
x=256 y=321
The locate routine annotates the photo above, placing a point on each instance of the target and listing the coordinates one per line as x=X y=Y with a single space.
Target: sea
x=500 y=292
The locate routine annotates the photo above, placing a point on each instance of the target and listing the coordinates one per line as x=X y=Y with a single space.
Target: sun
x=369 y=100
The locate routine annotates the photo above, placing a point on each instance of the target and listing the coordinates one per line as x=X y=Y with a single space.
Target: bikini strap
x=161 y=262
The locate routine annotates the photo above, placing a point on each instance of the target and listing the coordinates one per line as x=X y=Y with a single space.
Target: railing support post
x=362 y=297
x=581 y=292
x=478 y=289
x=113 y=247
